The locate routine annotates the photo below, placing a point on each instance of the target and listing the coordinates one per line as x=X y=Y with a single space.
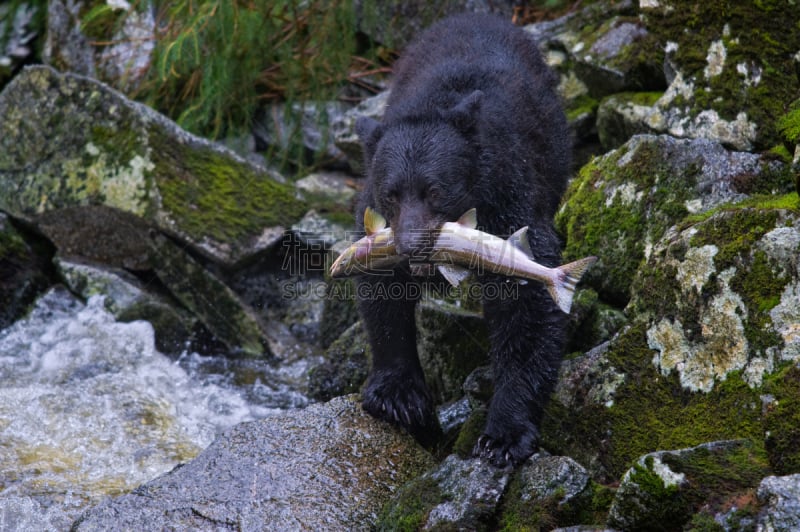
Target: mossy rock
x=714 y=332
x=23 y=272
x=731 y=62
x=663 y=490
x=70 y=142
x=621 y=204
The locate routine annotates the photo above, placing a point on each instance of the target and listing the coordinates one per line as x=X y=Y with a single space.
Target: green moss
x=650 y=412
x=581 y=105
x=470 y=432
x=209 y=194
x=407 y=511
x=789 y=124
x=613 y=211
x=767 y=38
x=782 y=420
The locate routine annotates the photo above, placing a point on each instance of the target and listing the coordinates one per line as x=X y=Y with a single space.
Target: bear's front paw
x=404 y=400
x=506 y=452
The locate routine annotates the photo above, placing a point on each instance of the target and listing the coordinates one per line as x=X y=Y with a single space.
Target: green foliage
x=216 y=61
x=789 y=124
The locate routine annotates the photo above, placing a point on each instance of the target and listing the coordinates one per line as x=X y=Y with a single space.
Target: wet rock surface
x=329 y=466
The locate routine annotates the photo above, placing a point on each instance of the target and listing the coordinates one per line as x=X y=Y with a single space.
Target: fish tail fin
x=562 y=288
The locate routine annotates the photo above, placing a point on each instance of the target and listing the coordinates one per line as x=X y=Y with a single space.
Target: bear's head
x=422 y=169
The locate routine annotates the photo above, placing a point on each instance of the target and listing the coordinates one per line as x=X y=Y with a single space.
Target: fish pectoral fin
x=520 y=241
x=453 y=274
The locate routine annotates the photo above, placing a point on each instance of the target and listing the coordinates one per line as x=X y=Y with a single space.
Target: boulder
x=727 y=80
x=128 y=299
x=663 y=490
x=711 y=351
x=622 y=202
x=458 y=494
x=780 y=497
x=328 y=466
x=94 y=170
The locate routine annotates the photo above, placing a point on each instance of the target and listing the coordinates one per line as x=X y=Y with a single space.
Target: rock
x=66 y=47
x=318 y=234
x=87 y=157
x=327 y=187
x=621 y=116
x=780 y=497
x=394 y=23
x=543 y=477
x=129 y=300
x=277 y=126
x=452 y=416
x=598 y=50
x=727 y=80
x=23 y=273
x=726 y=298
x=713 y=331
x=623 y=202
x=74 y=30
x=545 y=491
x=591 y=322
x=218 y=307
x=345 y=366
x=670 y=486
x=458 y=494
x=344 y=128
x=328 y=466
x=451 y=342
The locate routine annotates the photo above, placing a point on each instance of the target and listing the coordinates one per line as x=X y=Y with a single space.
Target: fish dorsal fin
x=520 y=241
x=373 y=222
x=453 y=274
x=469 y=219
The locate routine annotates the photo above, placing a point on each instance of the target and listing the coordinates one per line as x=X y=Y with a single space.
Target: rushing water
x=89 y=407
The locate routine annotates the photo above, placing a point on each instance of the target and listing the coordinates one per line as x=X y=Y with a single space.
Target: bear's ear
x=369 y=132
x=464 y=115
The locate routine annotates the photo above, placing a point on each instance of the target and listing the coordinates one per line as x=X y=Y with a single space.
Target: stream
x=89 y=408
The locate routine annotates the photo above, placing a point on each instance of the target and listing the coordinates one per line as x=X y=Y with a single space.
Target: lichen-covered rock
x=129 y=300
x=664 y=489
x=710 y=354
x=722 y=296
x=23 y=274
x=780 y=497
x=458 y=494
x=622 y=203
x=727 y=66
x=326 y=467
x=69 y=143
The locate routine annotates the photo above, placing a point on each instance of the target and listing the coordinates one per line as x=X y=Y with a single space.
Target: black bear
x=473 y=120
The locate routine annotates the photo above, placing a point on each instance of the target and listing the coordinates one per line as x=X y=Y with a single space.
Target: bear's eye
x=392 y=196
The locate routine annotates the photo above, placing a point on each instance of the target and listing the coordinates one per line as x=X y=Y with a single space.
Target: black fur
x=472 y=121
